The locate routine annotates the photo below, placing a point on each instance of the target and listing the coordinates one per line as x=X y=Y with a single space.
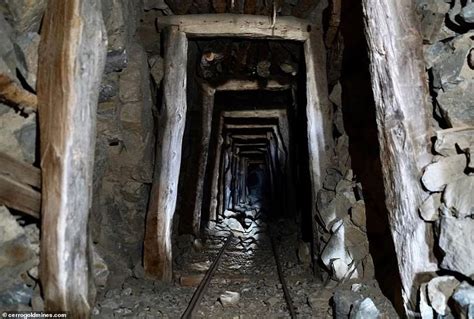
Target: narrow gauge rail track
x=203 y=285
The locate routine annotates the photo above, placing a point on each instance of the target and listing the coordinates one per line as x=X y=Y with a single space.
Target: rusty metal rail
x=201 y=289
x=286 y=292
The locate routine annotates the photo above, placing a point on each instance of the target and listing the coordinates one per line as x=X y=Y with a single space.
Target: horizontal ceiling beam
x=238 y=25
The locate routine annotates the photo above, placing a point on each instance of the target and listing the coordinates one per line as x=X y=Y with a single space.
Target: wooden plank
x=19 y=196
x=71 y=62
x=238 y=25
x=14 y=95
x=19 y=171
x=247 y=85
x=216 y=170
x=157 y=258
x=206 y=125
x=319 y=121
x=403 y=116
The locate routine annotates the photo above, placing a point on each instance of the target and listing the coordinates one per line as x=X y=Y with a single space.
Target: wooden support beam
x=238 y=25
x=216 y=169
x=403 y=116
x=157 y=258
x=71 y=61
x=17 y=180
x=319 y=121
x=246 y=85
x=14 y=95
x=206 y=125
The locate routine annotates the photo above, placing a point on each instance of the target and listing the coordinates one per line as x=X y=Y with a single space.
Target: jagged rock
x=343 y=301
x=467 y=13
x=470 y=59
x=18 y=294
x=11 y=58
x=356 y=241
x=333 y=176
x=433 y=16
x=191 y=280
x=463 y=298
x=458 y=197
x=358 y=216
x=200 y=266
x=116 y=61
x=447 y=140
x=304 y=253
x=426 y=311
x=229 y=298
x=229 y=214
x=26 y=15
x=157 y=5
x=234 y=225
x=16 y=254
x=336 y=210
x=100 y=268
x=440 y=290
x=29 y=43
x=108 y=88
x=335 y=255
x=346 y=187
x=429 y=209
x=447 y=72
x=336 y=94
x=455 y=239
x=156 y=68
x=456 y=104
x=446 y=170
x=364 y=309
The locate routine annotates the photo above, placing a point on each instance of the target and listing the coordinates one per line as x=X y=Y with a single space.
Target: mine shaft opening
x=256 y=144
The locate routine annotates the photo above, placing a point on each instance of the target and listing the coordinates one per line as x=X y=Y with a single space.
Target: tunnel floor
x=247 y=267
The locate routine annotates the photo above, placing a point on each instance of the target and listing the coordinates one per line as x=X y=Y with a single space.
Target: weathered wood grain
x=14 y=95
x=157 y=259
x=403 y=120
x=71 y=61
x=238 y=25
x=21 y=172
x=19 y=196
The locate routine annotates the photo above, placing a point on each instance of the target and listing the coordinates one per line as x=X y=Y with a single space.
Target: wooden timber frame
x=157 y=258
x=71 y=62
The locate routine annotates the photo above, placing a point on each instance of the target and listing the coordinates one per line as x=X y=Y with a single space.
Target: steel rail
x=286 y=292
x=201 y=289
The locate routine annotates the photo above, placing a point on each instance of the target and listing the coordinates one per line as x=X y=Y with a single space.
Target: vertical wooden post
x=206 y=125
x=319 y=120
x=403 y=120
x=157 y=259
x=71 y=61
x=216 y=172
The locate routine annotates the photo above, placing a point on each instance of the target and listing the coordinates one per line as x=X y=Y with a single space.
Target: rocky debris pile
x=448 y=55
x=19 y=259
x=447 y=297
x=450 y=208
x=341 y=212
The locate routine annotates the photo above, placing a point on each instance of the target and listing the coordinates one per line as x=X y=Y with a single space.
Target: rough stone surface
x=229 y=298
x=446 y=170
x=463 y=298
x=17 y=256
x=458 y=197
x=440 y=290
x=364 y=309
x=26 y=15
x=429 y=209
x=455 y=239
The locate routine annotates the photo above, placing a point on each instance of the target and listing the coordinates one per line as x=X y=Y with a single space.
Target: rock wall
x=125 y=144
x=19 y=234
x=449 y=182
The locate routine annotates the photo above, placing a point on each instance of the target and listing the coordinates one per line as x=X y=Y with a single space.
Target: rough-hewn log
x=157 y=258
x=16 y=182
x=206 y=125
x=403 y=121
x=19 y=171
x=216 y=172
x=319 y=119
x=238 y=25
x=19 y=196
x=14 y=95
x=71 y=61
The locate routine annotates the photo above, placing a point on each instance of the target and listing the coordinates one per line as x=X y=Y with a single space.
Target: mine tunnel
x=237 y=159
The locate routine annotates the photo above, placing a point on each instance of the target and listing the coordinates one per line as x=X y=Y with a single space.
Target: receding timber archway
x=157 y=245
